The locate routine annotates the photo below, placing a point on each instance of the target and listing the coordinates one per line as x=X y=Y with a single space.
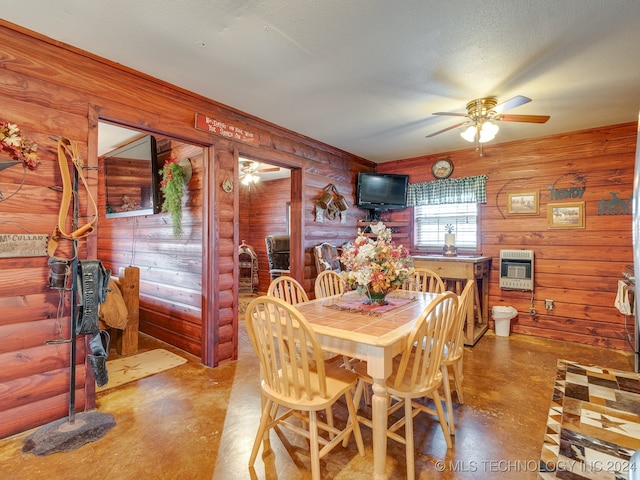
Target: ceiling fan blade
x=524 y=118
x=451 y=114
x=445 y=130
x=268 y=169
x=511 y=103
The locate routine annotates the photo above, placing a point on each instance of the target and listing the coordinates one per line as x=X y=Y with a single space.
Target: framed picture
x=523 y=203
x=565 y=215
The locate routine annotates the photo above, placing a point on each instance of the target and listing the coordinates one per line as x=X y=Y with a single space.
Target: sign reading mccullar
x=23 y=245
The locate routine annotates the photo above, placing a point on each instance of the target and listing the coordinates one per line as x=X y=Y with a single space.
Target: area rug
x=243 y=302
x=127 y=369
x=593 y=426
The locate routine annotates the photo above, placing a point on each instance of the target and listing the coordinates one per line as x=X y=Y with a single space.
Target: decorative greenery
x=376 y=265
x=172 y=186
x=20 y=148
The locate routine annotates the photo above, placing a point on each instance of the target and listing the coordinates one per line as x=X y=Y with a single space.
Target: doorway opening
x=264 y=209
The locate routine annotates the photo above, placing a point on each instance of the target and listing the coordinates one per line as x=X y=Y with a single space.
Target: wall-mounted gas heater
x=516 y=269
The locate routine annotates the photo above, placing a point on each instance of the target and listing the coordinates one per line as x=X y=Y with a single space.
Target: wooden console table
x=454 y=271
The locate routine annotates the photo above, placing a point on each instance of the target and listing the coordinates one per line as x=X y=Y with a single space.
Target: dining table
x=346 y=325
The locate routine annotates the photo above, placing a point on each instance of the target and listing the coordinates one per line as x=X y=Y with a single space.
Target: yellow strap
x=68 y=149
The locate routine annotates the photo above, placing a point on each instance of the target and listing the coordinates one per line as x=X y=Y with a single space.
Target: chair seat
x=404 y=389
x=338 y=381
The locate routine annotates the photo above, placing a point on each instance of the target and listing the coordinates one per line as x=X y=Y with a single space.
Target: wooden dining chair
x=288 y=289
x=295 y=381
x=328 y=284
x=425 y=280
x=453 y=352
x=417 y=374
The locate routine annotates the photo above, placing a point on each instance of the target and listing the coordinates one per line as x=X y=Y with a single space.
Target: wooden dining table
x=345 y=326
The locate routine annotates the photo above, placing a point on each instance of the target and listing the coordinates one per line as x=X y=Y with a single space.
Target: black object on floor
x=64 y=436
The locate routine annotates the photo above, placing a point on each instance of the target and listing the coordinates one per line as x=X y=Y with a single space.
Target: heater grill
x=516 y=270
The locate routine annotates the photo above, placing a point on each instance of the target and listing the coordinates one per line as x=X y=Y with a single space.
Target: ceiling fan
x=479 y=126
x=250 y=170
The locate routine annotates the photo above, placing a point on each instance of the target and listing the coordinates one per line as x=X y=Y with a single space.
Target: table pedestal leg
x=379 y=402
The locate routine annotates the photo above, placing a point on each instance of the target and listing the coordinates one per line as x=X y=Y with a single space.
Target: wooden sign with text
x=23 y=245
x=226 y=130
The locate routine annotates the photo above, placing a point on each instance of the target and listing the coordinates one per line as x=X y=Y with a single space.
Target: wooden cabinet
x=400 y=231
x=455 y=271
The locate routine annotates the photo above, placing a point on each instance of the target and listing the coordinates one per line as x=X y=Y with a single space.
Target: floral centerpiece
x=376 y=266
x=172 y=186
x=18 y=147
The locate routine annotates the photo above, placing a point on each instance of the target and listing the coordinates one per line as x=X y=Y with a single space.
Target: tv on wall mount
x=378 y=192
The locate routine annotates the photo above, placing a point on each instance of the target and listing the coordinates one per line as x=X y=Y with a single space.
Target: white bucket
x=502 y=317
x=503 y=327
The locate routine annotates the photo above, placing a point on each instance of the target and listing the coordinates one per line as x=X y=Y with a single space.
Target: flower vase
x=376 y=298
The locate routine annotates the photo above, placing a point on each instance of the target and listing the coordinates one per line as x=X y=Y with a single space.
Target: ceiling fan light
x=469 y=133
x=249 y=178
x=488 y=132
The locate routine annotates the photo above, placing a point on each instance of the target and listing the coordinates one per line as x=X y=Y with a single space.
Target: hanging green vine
x=172 y=186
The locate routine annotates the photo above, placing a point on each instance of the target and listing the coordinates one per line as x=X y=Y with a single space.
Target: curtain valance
x=449 y=190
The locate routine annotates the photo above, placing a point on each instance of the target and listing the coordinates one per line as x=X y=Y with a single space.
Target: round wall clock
x=442 y=168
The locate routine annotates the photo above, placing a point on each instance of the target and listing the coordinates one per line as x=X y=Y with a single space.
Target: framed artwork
x=523 y=203
x=565 y=215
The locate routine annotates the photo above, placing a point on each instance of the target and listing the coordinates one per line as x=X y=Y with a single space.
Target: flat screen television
x=132 y=179
x=377 y=192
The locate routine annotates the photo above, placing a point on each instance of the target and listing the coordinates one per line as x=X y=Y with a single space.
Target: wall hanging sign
x=565 y=215
x=564 y=193
x=331 y=204
x=615 y=206
x=23 y=245
x=226 y=130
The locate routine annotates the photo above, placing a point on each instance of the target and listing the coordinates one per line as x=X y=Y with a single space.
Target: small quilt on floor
x=593 y=427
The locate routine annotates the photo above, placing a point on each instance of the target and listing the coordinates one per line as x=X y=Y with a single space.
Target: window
x=430 y=223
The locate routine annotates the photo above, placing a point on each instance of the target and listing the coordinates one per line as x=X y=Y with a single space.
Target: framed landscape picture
x=523 y=203
x=565 y=215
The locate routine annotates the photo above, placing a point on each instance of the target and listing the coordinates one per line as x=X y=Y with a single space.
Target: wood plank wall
x=263 y=211
x=170 y=268
x=577 y=268
x=49 y=88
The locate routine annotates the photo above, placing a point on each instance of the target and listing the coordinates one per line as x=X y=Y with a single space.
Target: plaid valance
x=449 y=190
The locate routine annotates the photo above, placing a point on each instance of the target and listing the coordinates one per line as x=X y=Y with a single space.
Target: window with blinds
x=431 y=221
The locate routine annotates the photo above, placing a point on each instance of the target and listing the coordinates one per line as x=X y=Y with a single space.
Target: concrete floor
x=193 y=422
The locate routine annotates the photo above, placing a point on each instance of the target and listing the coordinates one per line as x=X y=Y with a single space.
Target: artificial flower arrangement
x=172 y=187
x=18 y=147
x=376 y=266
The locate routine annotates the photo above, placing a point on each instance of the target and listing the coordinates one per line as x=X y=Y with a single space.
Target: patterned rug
x=127 y=369
x=243 y=301
x=594 y=423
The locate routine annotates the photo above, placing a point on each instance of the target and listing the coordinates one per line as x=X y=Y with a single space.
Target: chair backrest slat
x=425 y=280
x=288 y=289
x=455 y=341
x=291 y=359
x=425 y=344
x=328 y=284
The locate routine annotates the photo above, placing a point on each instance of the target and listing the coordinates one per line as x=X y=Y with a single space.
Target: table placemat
x=359 y=307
